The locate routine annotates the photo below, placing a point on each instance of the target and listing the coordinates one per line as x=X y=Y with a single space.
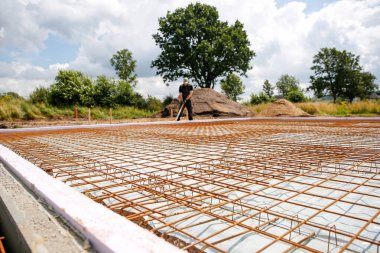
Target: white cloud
x=23 y=78
x=155 y=85
x=1 y=32
x=285 y=39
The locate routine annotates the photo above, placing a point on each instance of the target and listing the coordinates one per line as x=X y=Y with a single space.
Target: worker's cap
x=185 y=80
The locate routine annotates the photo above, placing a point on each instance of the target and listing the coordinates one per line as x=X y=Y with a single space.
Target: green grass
x=369 y=108
x=20 y=109
x=360 y=108
x=258 y=108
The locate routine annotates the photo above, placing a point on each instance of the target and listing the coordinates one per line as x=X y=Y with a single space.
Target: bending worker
x=185 y=93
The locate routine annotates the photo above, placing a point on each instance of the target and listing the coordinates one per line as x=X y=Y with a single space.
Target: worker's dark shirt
x=185 y=90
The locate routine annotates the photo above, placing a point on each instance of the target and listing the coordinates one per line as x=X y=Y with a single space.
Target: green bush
x=295 y=96
x=40 y=95
x=153 y=104
x=259 y=99
x=167 y=100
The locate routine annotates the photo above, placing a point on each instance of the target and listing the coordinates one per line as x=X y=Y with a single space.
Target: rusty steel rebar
x=284 y=184
x=2 y=249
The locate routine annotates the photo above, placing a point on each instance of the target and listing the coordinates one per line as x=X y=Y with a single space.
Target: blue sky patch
x=311 y=5
x=57 y=50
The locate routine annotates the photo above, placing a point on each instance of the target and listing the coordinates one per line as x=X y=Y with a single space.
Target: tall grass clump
x=258 y=108
x=30 y=111
x=365 y=107
x=359 y=108
x=310 y=108
x=10 y=108
x=131 y=113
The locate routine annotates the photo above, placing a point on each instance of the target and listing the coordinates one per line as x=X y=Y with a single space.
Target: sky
x=40 y=37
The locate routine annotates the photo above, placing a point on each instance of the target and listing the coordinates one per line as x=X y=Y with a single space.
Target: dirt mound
x=209 y=102
x=283 y=108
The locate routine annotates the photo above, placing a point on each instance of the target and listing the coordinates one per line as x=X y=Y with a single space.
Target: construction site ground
x=247 y=185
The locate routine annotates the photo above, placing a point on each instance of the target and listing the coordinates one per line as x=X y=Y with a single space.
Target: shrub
x=295 y=96
x=167 y=100
x=261 y=98
x=40 y=95
x=153 y=104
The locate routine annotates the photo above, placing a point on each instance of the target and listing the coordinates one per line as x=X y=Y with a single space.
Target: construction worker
x=185 y=93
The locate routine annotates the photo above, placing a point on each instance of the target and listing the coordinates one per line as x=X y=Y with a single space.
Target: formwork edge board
x=106 y=230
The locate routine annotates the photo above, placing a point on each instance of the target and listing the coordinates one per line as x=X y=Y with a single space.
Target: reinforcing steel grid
x=227 y=186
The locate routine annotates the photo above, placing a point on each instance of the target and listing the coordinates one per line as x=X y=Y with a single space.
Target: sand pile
x=209 y=102
x=283 y=108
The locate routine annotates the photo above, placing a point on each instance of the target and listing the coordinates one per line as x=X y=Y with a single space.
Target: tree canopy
x=339 y=74
x=71 y=87
x=287 y=83
x=367 y=85
x=124 y=65
x=268 y=89
x=195 y=44
x=232 y=86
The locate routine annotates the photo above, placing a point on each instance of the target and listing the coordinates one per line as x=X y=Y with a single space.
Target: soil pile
x=209 y=102
x=283 y=108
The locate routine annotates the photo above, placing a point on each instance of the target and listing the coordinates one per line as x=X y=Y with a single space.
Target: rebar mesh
x=227 y=186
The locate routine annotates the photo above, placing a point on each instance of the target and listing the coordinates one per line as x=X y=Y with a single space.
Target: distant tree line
x=336 y=73
x=75 y=88
x=197 y=45
x=339 y=74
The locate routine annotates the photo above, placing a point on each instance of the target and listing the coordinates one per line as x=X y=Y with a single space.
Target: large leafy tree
x=268 y=89
x=232 y=86
x=339 y=74
x=105 y=92
x=287 y=83
x=195 y=44
x=124 y=65
x=367 y=85
x=126 y=95
x=72 y=87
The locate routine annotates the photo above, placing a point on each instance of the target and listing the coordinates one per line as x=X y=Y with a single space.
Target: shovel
x=180 y=110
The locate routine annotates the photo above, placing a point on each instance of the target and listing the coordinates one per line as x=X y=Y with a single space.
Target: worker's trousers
x=189 y=109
